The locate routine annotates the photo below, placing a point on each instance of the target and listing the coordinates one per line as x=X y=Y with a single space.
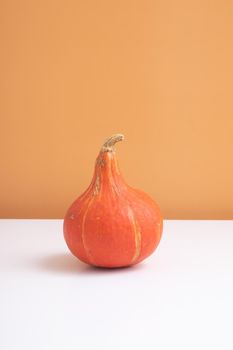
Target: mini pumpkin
x=111 y=224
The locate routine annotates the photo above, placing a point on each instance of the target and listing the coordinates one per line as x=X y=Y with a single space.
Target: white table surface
x=180 y=298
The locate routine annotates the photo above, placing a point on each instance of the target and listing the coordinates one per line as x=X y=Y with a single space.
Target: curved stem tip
x=109 y=144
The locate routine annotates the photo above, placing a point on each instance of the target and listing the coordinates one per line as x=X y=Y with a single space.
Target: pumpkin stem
x=108 y=146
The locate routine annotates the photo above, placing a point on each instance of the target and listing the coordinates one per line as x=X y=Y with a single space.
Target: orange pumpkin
x=111 y=224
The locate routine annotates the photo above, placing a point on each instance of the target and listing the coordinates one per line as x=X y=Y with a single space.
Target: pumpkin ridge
x=137 y=234
x=89 y=256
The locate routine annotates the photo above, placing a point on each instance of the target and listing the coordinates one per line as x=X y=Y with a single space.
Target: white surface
x=180 y=298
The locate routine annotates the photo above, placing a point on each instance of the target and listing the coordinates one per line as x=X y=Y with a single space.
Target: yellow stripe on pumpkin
x=83 y=230
x=137 y=234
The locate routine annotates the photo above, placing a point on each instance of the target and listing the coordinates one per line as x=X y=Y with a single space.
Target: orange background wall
x=74 y=72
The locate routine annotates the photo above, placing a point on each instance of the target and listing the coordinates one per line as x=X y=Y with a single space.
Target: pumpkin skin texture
x=111 y=224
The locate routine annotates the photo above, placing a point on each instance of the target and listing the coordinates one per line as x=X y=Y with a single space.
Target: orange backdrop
x=74 y=72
